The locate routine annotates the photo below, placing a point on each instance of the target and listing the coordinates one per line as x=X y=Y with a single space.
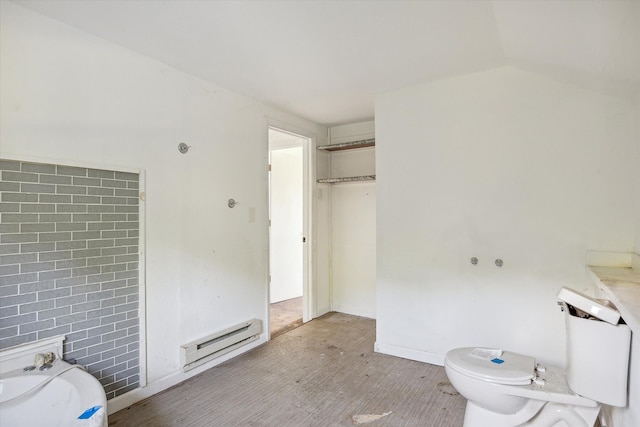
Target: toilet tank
x=597 y=350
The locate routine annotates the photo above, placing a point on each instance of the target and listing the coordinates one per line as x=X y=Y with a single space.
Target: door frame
x=308 y=172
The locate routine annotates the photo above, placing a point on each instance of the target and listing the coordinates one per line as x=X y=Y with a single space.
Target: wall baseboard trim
x=409 y=353
x=124 y=401
x=359 y=313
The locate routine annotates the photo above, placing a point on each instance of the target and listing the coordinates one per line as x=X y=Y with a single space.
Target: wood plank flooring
x=323 y=373
x=285 y=316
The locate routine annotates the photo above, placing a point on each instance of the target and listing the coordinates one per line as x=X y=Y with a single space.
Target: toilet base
x=535 y=413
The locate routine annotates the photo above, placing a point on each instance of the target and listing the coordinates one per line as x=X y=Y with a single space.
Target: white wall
x=499 y=164
x=71 y=96
x=353 y=248
x=322 y=248
x=637 y=156
x=353 y=222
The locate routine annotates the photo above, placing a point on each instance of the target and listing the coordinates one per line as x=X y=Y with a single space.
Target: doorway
x=288 y=237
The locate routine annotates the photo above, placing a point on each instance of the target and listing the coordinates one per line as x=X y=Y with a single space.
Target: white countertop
x=622 y=286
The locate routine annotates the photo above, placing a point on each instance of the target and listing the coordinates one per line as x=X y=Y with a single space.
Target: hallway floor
x=285 y=316
x=323 y=373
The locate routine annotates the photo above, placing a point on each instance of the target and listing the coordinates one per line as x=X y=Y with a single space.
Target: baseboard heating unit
x=215 y=345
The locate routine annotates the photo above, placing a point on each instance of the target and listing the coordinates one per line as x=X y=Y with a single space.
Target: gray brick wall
x=69 y=265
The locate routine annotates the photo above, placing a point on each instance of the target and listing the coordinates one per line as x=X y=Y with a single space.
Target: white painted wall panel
x=353 y=219
x=500 y=164
x=353 y=248
x=67 y=95
x=357 y=162
x=352 y=132
x=637 y=156
x=322 y=248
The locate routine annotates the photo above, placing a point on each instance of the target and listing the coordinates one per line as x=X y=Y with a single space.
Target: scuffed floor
x=285 y=316
x=323 y=373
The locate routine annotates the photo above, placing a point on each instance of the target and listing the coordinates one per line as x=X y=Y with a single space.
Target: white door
x=286 y=237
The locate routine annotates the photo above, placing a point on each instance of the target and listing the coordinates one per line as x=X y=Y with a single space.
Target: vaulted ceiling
x=326 y=60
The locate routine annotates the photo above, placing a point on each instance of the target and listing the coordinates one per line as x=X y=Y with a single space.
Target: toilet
x=506 y=389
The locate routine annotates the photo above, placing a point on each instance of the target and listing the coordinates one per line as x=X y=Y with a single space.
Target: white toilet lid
x=509 y=369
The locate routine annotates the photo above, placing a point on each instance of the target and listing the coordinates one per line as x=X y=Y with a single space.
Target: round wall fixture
x=183 y=148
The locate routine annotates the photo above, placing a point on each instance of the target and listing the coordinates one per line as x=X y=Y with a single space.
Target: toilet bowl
x=507 y=389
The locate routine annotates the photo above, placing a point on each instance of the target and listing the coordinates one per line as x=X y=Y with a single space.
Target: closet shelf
x=347 y=179
x=348 y=145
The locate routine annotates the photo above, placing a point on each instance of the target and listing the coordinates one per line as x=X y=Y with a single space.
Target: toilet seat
x=553 y=389
x=514 y=368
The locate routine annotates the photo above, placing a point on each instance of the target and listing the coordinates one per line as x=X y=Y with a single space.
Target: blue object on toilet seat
x=89 y=412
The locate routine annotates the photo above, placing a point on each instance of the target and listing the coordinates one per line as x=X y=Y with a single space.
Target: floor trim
x=409 y=353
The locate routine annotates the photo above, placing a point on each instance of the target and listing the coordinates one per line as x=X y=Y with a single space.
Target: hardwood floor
x=323 y=373
x=285 y=316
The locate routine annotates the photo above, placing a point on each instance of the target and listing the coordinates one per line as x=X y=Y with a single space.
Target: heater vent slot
x=223 y=337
